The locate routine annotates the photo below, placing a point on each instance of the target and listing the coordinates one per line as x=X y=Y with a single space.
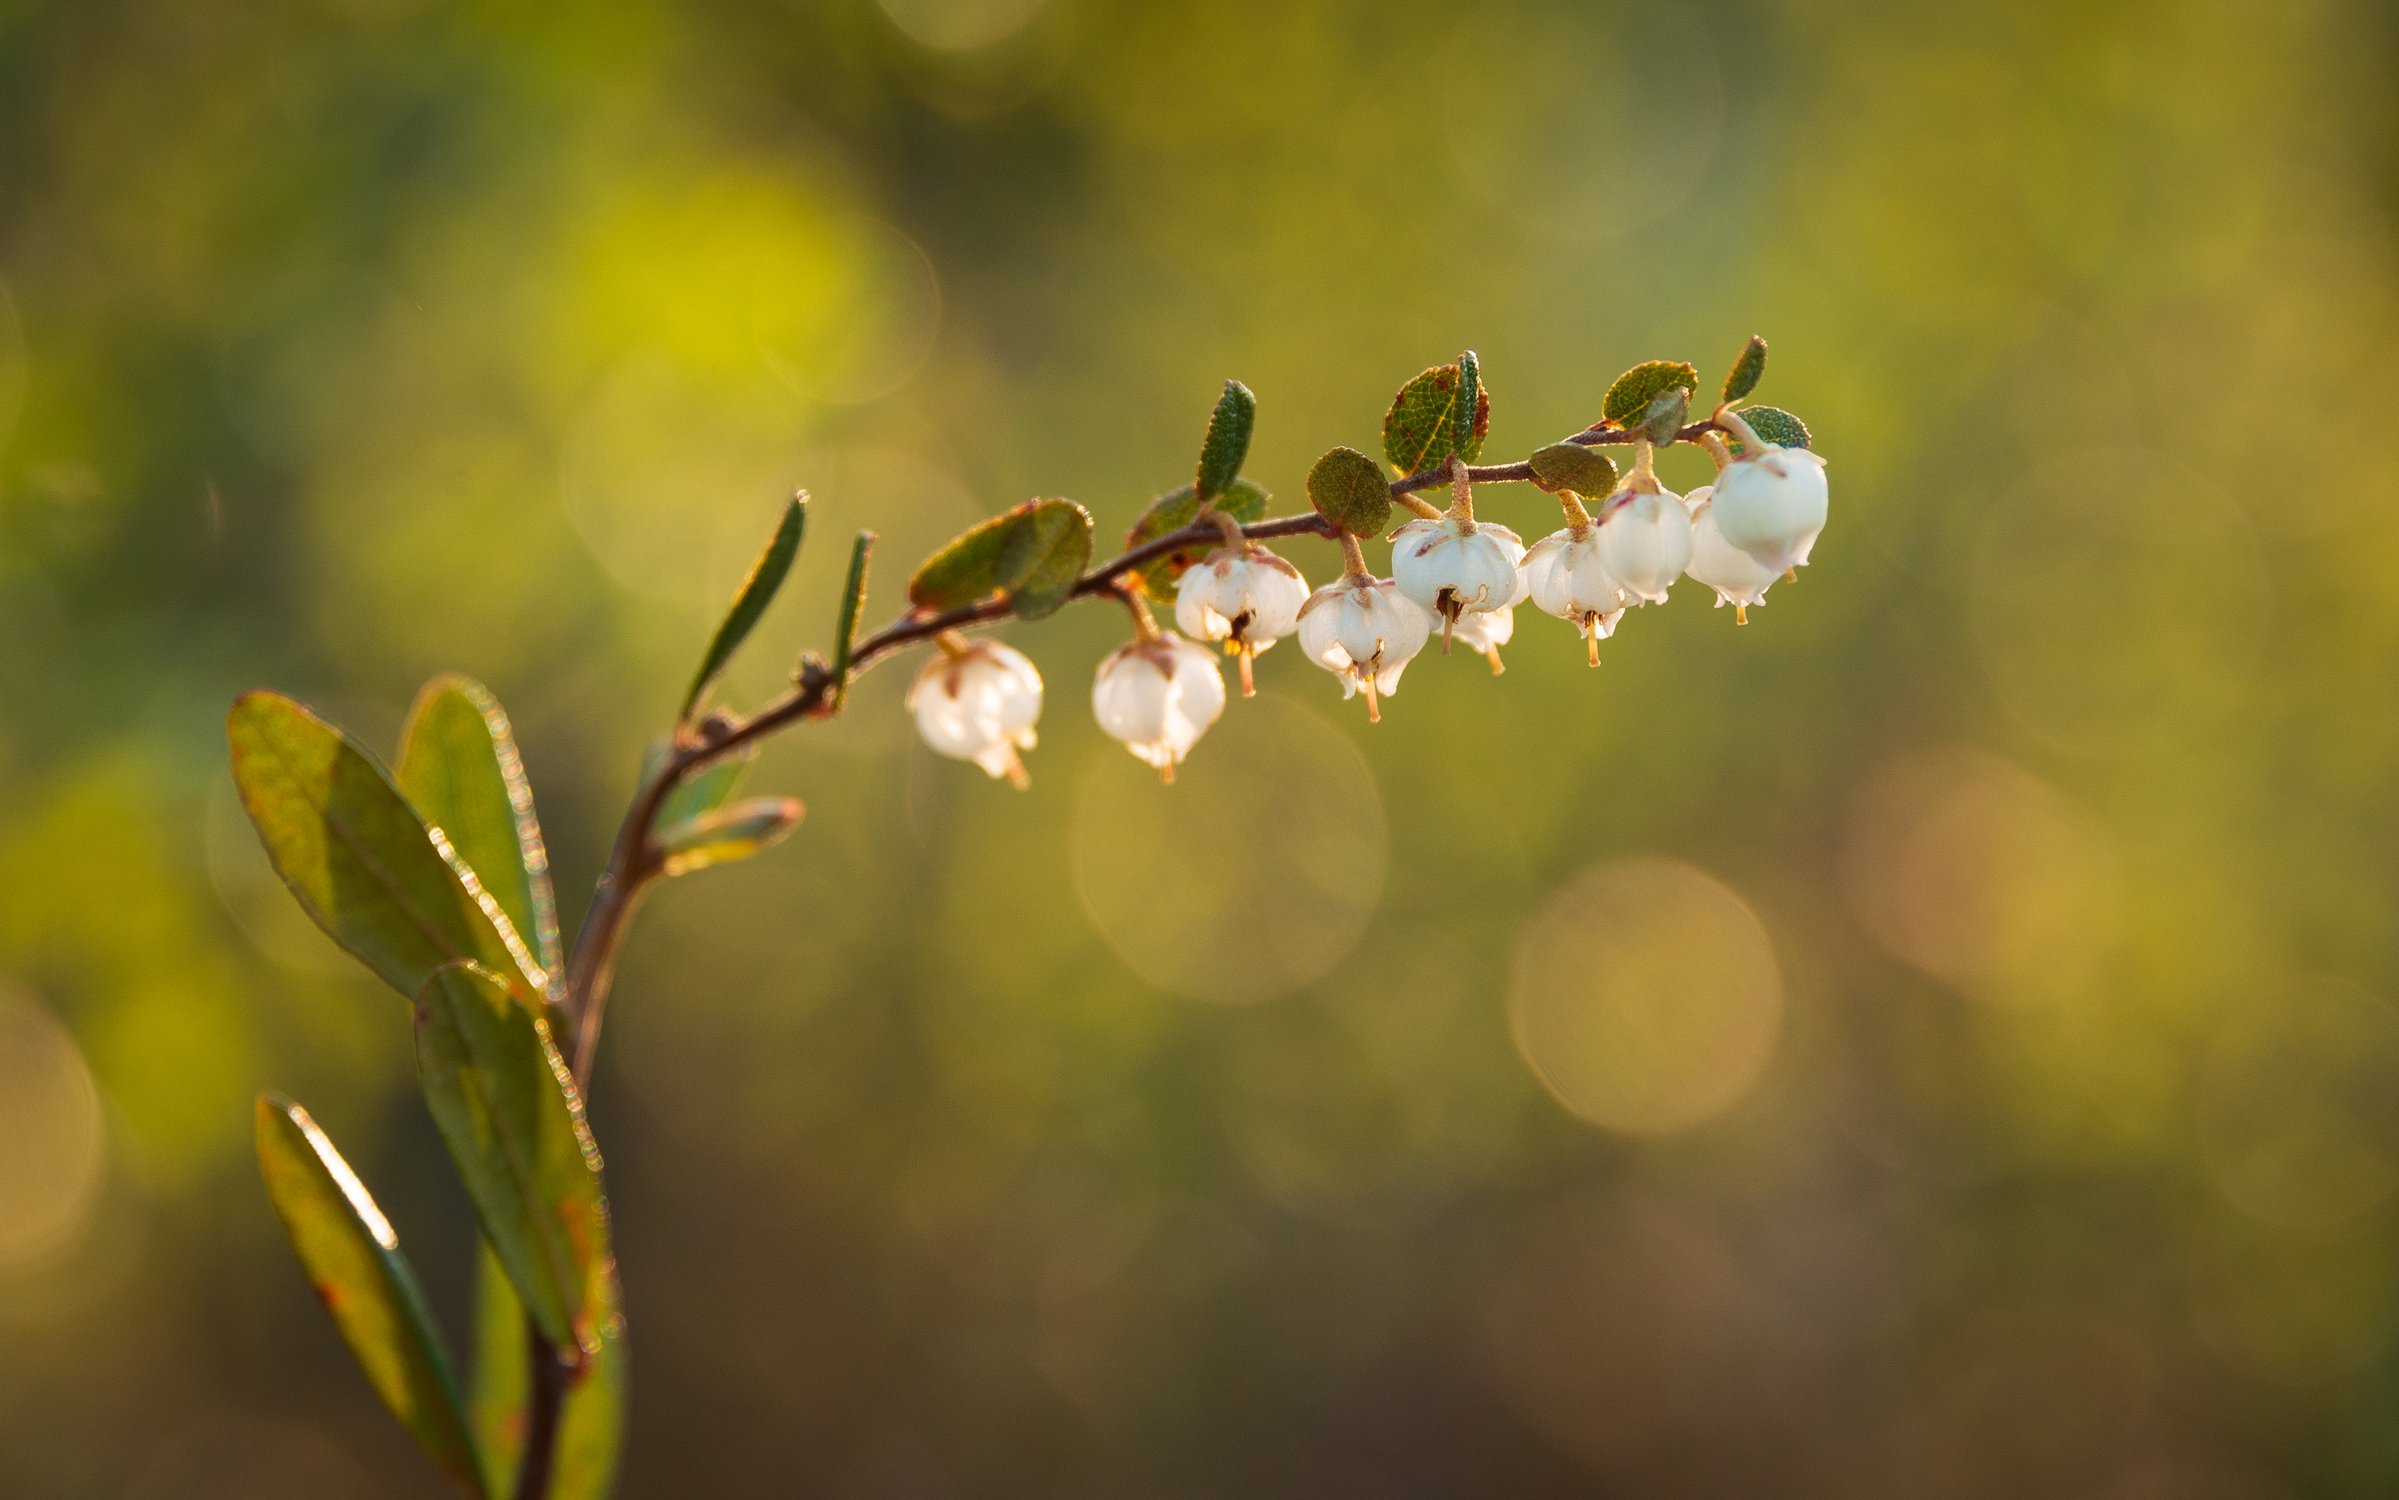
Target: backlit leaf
x=460 y=769
x=1630 y=396
x=1422 y=425
x=729 y=833
x=591 y=1430
x=1746 y=370
x=1244 y=500
x=1774 y=425
x=1033 y=553
x=353 y=1259
x=1061 y=550
x=1348 y=490
x=357 y=856
x=756 y=593
x=1227 y=443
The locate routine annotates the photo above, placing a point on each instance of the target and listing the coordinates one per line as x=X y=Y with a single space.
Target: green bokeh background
x=1936 y=1041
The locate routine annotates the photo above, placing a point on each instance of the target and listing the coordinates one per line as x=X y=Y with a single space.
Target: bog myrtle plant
x=432 y=872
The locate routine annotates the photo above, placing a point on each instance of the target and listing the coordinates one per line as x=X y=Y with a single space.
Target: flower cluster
x=1452 y=575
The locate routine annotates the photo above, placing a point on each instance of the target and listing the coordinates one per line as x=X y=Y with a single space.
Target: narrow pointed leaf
x=1468 y=409
x=1774 y=425
x=503 y=1372
x=353 y=1260
x=1033 y=554
x=1422 y=425
x=1244 y=500
x=359 y=859
x=1628 y=399
x=757 y=592
x=845 y=625
x=1747 y=369
x=460 y=769
x=1349 y=491
x=1571 y=466
x=1227 y=443
x=508 y=1110
x=729 y=833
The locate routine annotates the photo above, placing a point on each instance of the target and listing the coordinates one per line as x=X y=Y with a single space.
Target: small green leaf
x=1469 y=409
x=1243 y=500
x=461 y=771
x=353 y=1260
x=845 y=624
x=1743 y=377
x=593 y=1424
x=1061 y=550
x=729 y=833
x=1227 y=443
x=1664 y=418
x=757 y=592
x=1348 y=490
x=1630 y=396
x=1774 y=425
x=1422 y=425
x=1033 y=553
x=1571 y=466
x=357 y=856
x=510 y=1114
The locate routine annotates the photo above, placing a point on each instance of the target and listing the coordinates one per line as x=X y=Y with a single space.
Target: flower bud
x=1365 y=631
x=1158 y=697
x=1246 y=597
x=977 y=701
x=1451 y=566
x=1565 y=577
x=1644 y=542
x=1738 y=579
x=1771 y=505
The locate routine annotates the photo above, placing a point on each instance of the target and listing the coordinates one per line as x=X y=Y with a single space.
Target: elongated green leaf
x=729 y=833
x=460 y=769
x=845 y=625
x=757 y=592
x=353 y=1260
x=1774 y=425
x=1747 y=369
x=360 y=860
x=1468 y=411
x=1349 y=491
x=1033 y=554
x=591 y=1430
x=1227 y=443
x=1571 y=466
x=1422 y=425
x=703 y=791
x=509 y=1112
x=1244 y=500
x=1628 y=399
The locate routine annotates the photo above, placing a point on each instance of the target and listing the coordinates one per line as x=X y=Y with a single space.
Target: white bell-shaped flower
x=1645 y=542
x=1364 y=631
x=1738 y=579
x=977 y=701
x=1451 y=566
x=1246 y=597
x=1565 y=577
x=1771 y=505
x=1484 y=631
x=1158 y=697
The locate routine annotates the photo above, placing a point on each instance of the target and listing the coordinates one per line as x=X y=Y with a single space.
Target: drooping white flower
x=977 y=701
x=1451 y=567
x=1566 y=578
x=1485 y=631
x=1645 y=542
x=1738 y=579
x=1771 y=504
x=1158 y=697
x=1246 y=597
x=1365 y=631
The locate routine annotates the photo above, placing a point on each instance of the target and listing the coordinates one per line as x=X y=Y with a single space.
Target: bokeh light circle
x=53 y=1144
x=1645 y=996
x=1253 y=874
x=961 y=25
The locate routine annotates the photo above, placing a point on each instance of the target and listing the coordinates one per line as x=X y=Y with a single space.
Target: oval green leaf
x=1034 y=554
x=1060 y=550
x=1422 y=425
x=756 y=593
x=1774 y=425
x=1348 y=490
x=1747 y=370
x=1227 y=443
x=1628 y=399
x=460 y=769
x=353 y=1259
x=1571 y=466
x=509 y=1112
x=1663 y=421
x=357 y=856
x=1244 y=500
x=729 y=833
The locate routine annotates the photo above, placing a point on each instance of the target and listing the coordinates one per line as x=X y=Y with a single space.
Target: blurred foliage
x=347 y=341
